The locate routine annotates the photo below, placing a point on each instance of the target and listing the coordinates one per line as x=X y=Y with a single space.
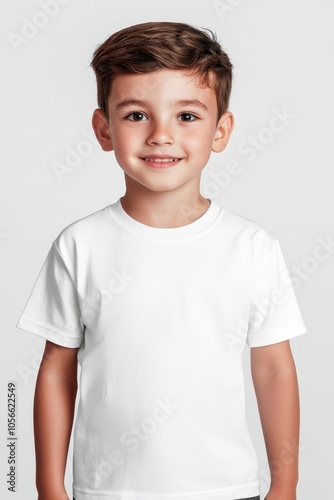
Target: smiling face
x=162 y=128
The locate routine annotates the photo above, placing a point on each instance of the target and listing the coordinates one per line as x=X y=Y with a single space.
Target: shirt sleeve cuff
x=48 y=332
x=274 y=336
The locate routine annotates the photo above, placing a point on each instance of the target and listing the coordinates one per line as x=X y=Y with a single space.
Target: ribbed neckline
x=123 y=219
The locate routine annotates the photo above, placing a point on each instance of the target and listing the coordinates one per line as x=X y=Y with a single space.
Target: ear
x=223 y=132
x=101 y=129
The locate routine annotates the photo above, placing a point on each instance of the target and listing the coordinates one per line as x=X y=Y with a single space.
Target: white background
x=282 y=53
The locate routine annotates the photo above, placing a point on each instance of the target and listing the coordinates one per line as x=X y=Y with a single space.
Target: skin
x=276 y=387
x=55 y=393
x=158 y=198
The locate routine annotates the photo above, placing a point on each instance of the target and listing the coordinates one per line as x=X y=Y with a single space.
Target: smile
x=161 y=160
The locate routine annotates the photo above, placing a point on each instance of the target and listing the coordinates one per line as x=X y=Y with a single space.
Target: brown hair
x=148 y=47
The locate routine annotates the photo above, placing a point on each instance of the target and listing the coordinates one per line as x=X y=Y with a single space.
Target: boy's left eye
x=188 y=117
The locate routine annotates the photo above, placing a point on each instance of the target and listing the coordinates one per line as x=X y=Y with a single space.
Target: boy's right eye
x=137 y=116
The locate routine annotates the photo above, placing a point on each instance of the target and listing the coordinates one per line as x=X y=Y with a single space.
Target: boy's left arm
x=276 y=388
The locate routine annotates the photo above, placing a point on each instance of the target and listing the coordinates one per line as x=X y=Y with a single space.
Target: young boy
x=156 y=295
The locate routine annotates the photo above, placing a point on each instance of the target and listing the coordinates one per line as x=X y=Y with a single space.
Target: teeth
x=161 y=160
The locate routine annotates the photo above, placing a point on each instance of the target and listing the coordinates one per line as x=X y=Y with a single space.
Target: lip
x=156 y=164
x=161 y=156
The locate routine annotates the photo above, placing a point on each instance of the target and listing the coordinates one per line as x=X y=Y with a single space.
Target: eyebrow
x=192 y=102
x=183 y=102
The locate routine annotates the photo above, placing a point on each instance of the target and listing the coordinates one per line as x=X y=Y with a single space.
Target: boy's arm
x=54 y=404
x=276 y=388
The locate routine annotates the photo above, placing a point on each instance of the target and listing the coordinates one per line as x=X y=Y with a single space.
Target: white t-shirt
x=161 y=316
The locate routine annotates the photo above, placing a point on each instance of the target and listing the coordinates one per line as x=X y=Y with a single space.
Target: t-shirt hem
x=274 y=336
x=36 y=328
x=229 y=493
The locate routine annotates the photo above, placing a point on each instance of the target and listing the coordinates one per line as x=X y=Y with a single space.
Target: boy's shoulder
x=82 y=231
x=248 y=229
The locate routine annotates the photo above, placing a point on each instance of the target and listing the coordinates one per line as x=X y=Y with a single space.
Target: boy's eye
x=137 y=116
x=188 y=117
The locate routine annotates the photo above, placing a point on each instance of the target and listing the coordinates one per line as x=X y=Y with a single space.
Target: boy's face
x=158 y=114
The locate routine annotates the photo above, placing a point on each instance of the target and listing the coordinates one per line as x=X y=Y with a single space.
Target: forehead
x=161 y=84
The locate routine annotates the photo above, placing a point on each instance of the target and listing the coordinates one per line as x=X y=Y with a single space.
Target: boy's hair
x=148 y=47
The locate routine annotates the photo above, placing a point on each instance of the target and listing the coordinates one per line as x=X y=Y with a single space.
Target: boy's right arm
x=54 y=404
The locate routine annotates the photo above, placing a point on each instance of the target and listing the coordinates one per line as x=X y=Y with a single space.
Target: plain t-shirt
x=161 y=317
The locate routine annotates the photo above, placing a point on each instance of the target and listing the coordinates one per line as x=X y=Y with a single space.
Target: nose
x=160 y=133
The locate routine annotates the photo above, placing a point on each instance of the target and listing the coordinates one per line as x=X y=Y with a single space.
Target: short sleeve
x=274 y=313
x=52 y=310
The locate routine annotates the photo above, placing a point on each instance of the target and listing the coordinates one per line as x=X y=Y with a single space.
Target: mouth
x=161 y=162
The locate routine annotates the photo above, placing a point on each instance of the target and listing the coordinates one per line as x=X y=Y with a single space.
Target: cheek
x=123 y=140
x=199 y=143
x=126 y=147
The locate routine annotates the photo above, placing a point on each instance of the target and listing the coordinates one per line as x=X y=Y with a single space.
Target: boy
x=156 y=296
